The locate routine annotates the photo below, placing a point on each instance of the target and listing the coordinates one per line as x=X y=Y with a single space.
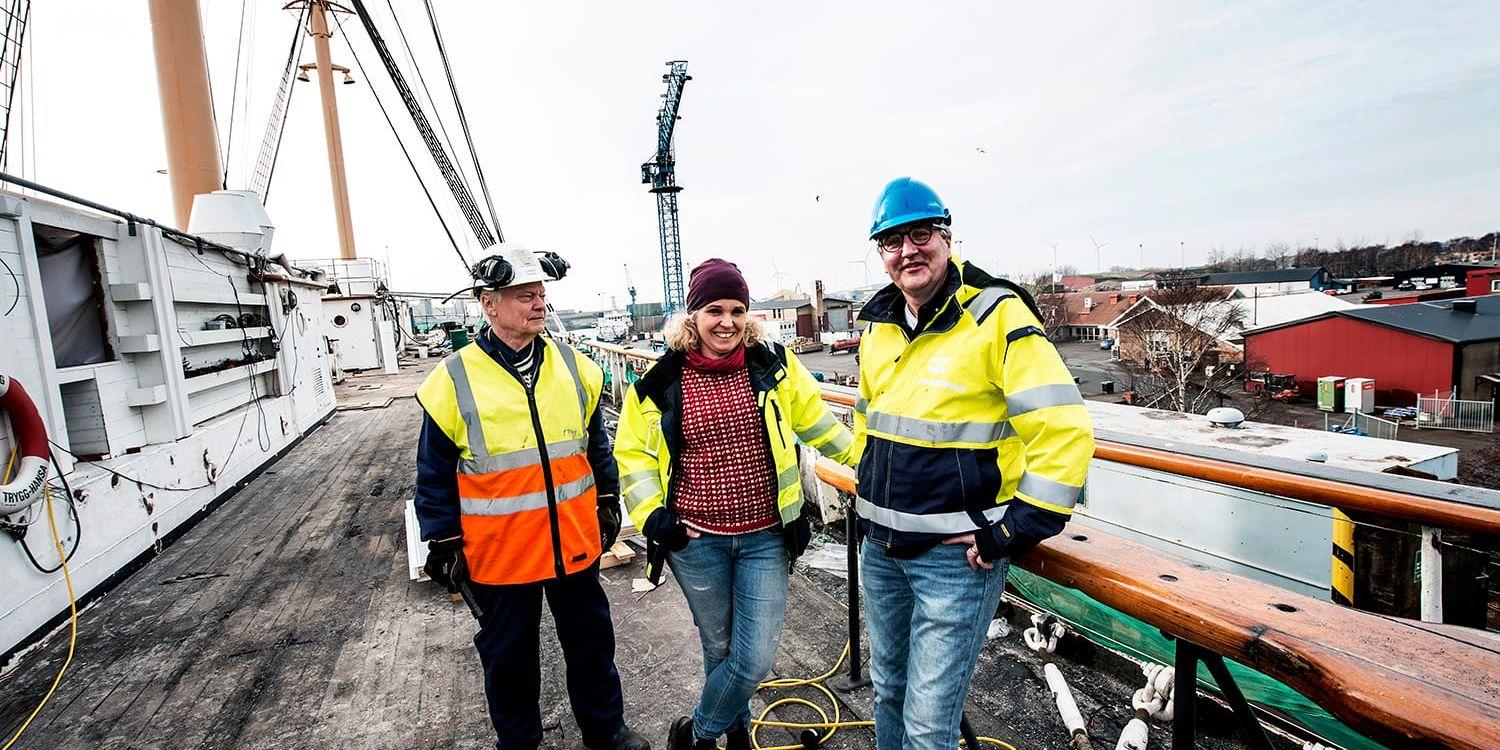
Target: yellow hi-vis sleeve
x=1045 y=410
x=640 y=453
x=811 y=419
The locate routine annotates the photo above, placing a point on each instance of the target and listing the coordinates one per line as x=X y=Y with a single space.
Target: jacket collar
x=765 y=361
x=889 y=305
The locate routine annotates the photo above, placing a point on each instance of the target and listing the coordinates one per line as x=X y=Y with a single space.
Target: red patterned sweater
x=727 y=484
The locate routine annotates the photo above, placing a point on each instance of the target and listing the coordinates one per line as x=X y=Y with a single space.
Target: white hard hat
x=510 y=265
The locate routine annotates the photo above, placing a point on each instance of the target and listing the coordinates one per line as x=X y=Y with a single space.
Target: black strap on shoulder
x=1023 y=332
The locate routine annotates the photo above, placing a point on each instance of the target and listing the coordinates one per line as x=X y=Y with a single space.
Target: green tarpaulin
x=1121 y=632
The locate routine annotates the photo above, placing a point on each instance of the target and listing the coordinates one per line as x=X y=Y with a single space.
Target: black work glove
x=663 y=528
x=609 y=521
x=446 y=563
x=1023 y=527
x=796 y=536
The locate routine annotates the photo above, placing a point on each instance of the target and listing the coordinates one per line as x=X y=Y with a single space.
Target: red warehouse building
x=1486 y=281
x=1407 y=349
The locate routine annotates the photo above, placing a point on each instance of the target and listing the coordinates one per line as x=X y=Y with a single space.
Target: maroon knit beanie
x=716 y=279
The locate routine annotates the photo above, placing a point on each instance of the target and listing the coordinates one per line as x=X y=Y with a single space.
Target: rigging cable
x=284 y=102
x=422 y=81
x=463 y=121
x=404 y=152
x=429 y=138
x=234 y=95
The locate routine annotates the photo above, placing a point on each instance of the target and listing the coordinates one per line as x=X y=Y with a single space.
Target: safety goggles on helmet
x=891 y=242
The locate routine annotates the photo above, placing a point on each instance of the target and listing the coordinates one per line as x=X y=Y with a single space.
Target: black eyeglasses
x=892 y=243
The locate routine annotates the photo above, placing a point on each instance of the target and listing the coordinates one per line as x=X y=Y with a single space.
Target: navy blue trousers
x=509 y=643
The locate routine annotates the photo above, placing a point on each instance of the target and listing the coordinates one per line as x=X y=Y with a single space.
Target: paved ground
x=285 y=619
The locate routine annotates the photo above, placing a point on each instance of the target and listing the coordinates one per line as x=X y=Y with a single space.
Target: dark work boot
x=701 y=744
x=737 y=738
x=625 y=739
x=680 y=734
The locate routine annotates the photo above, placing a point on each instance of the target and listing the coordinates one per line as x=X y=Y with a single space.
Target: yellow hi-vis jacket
x=974 y=411
x=526 y=491
x=649 y=437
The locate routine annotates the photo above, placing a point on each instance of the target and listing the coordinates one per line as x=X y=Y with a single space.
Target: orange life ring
x=31 y=436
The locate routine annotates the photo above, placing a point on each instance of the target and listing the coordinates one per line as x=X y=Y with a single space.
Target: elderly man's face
x=516 y=313
x=917 y=269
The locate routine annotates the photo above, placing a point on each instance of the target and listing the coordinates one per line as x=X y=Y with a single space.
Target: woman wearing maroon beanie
x=708 y=469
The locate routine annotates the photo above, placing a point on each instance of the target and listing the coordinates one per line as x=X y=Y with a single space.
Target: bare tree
x=1175 y=351
x=1051 y=303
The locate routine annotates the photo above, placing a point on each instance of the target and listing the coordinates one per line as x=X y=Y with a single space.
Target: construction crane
x=630 y=287
x=660 y=174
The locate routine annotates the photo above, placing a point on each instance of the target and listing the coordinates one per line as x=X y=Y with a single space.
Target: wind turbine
x=776 y=277
x=1097 y=247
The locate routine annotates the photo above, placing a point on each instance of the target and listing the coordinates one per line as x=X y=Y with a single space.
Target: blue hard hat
x=904 y=201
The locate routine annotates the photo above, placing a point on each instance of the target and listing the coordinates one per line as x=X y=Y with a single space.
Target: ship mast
x=318 y=29
x=186 y=104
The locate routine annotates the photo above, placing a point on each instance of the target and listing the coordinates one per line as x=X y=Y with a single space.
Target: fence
x=1367 y=425
x=1447 y=413
x=1376 y=427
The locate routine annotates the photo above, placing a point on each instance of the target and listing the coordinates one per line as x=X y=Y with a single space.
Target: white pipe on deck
x=1431 y=560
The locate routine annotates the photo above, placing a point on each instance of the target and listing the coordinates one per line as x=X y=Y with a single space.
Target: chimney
x=1464 y=306
x=817 y=302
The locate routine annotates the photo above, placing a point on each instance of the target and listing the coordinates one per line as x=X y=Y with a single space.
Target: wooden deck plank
x=285 y=619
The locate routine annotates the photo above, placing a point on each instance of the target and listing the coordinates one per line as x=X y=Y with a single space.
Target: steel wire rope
x=298 y=36
x=461 y=193
x=234 y=95
x=463 y=121
x=404 y=152
x=436 y=114
x=14 y=280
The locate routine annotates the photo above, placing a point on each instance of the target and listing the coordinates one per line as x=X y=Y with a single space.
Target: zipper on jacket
x=779 y=434
x=541 y=446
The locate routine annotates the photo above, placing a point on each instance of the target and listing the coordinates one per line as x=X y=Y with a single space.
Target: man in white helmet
x=517 y=496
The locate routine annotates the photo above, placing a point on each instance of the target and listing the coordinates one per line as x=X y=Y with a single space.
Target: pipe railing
x=1403 y=506
x=1407 y=683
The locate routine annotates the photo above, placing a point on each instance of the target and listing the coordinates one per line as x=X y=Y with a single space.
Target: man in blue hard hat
x=974 y=444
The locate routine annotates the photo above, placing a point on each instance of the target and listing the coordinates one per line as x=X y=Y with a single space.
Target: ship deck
x=285 y=618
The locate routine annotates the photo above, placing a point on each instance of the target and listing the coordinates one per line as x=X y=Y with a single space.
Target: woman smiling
x=707 y=450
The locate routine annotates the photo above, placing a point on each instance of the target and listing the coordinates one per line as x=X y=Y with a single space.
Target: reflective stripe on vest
x=924 y=523
x=931 y=431
x=467 y=409
x=1041 y=397
x=1048 y=491
x=521 y=458
x=526 y=501
x=569 y=358
x=522 y=528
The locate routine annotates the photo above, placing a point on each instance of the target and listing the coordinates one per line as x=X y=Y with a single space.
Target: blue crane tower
x=660 y=174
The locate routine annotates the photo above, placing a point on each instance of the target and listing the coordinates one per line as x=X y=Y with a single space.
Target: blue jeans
x=736 y=589
x=927 y=617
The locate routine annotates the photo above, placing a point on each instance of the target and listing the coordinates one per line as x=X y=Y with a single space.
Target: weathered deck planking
x=285 y=620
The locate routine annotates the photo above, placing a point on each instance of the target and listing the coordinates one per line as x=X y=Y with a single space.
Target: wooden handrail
x=1405 y=683
x=1423 y=510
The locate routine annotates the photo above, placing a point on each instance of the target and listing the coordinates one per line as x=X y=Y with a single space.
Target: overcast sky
x=1141 y=125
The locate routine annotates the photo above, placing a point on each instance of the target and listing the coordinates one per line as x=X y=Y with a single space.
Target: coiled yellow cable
x=72 y=604
x=833 y=724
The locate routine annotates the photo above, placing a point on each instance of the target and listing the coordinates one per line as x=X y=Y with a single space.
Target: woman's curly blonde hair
x=681 y=332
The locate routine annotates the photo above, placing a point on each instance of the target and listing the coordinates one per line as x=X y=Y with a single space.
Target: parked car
x=1107 y=343
x=845 y=345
